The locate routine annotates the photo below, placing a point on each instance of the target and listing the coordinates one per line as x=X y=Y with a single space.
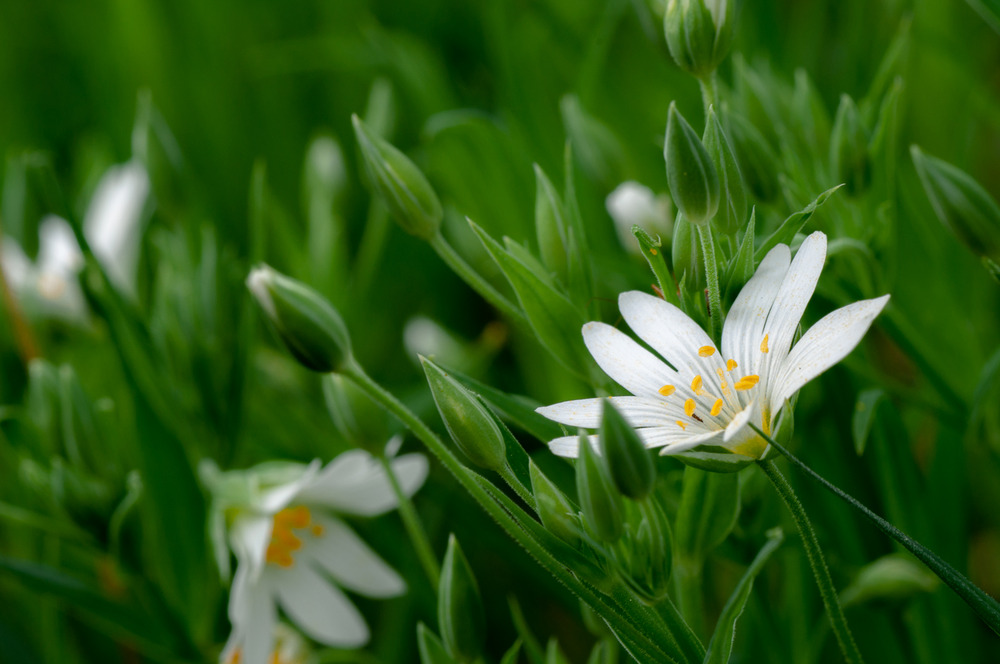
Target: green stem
x=681 y=629
x=413 y=525
x=634 y=627
x=712 y=277
x=476 y=281
x=984 y=605
x=709 y=91
x=816 y=560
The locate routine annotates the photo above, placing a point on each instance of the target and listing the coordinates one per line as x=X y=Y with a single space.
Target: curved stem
x=816 y=560
x=984 y=605
x=712 y=277
x=475 y=280
x=414 y=527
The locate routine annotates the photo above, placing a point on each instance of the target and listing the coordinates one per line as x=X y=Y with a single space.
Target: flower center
x=702 y=395
x=286 y=534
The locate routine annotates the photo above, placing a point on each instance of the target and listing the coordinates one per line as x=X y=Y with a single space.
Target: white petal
x=739 y=423
x=249 y=536
x=113 y=224
x=638 y=412
x=744 y=327
x=276 y=499
x=58 y=252
x=253 y=626
x=349 y=560
x=319 y=608
x=790 y=302
x=653 y=437
x=827 y=342
x=626 y=362
x=355 y=483
x=569 y=446
x=17 y=267
x=667 y=329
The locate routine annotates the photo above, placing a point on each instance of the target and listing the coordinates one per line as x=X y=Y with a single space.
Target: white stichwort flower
x=48 y=286
x=710 y=396
x=289 y=648
x=293 y=552
x=632 y=203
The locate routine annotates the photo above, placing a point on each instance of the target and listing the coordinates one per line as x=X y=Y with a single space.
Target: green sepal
x=687 y=257
x=600 y=502
x=743 y=264
x=628 y=461
x=554 y=508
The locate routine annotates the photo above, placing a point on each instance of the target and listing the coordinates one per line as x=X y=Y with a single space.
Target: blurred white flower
x=712 y=396
x=289 y=648
x=634 y=204
x=293 y=552
x=47 y=287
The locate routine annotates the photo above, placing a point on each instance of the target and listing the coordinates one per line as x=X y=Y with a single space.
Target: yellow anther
x=689 y=407
x=716 y=408
x=730 y=365
x=706 y=351
x=317 y=530
x=747 y=382
x=763 y=345
x=666 y=390
x=696 y=384
x=283 y=540
x=681 y=424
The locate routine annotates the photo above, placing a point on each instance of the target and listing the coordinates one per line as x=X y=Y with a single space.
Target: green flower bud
x=644 y=556
x=629 y=463
x=311 y=329
x=691 y=175
x=699 y=33
x=758 y=161
x=553 y=507
x=732 y=214
x=849 y=148
x=686 y=256
x=961 y=204
x=469 y=423
x=599 y=500
x=460 y=609
x=399 y=184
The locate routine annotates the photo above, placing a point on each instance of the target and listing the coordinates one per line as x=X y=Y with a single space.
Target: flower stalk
x=712 y=278
x=414 y=527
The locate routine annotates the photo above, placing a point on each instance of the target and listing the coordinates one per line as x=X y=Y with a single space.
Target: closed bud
x=644 y=555
x=961 y=204
x=732 y=192
x=399 y=184
x=308 y=326
x=691 y=175
x=699 y=33
x=550 y=225
x=629 y=463
x=849 y=148
x=553 y=507
x=460 y=608
x=686 y=256
x=633 y=204
x=600 y=502
x=469 y=423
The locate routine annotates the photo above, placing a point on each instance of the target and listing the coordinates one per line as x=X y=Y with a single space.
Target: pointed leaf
x=794 y=223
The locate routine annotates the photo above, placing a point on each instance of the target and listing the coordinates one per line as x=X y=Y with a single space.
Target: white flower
x=632 y=204
x=289 y=648
x=294 y=553
x=710 y=397
x=48 y=287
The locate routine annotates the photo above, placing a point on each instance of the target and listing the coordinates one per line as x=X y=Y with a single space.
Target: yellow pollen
x=689 y=407
x=317 y=530
x=747 y=382
x=763 y=344
x=730 y=365
x=653 y=251
x=696 y=384
x=716 y=408
x=706 y=351
x=681 y=425
x=666 y=390
x=283 y=540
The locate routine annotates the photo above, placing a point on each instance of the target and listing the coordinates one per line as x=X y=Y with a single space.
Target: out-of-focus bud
x=468 y=422
x=961 y=204
x=629 y=462
x=644 y=555
x=553 y=507
x=399 y=184
x=849 y=148
x=432 y=651
x=358 y=419
x=633 y=204
x=693 y=180
x=550 y=225
x=460 y=609
x=599 y=500
x=758 y=161
x=896 y=576
x=732 y=214
x=597 y=149
x=686 y=256
x=699 y=33
x=311 y=329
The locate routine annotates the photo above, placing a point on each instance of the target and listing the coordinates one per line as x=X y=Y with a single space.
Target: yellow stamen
x=747 y=382
x=317 y=530
x=283 y=540
x=666 y=390
x=706 y=351
x=716 y=408
x=689 y=407
x=763 y=345
x=681 y=424
x=730 y=365
x=696 y=384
